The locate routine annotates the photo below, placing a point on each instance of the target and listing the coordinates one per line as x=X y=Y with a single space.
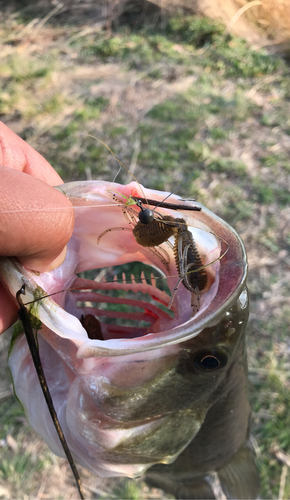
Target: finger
x=17 y=154
x=36 y=220
x=8 y=310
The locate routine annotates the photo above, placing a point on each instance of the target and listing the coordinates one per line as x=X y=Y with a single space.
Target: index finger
x=18 y=155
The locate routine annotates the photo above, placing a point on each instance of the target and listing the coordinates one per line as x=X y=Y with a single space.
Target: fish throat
x=122 y=302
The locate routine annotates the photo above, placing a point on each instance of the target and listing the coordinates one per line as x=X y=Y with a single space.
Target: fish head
x=137 y=395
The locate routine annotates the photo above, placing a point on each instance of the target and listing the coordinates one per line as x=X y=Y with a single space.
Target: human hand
x=29 y=230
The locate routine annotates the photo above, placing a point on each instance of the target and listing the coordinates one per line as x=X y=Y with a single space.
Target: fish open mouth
x=130 y=311
x=128 y=304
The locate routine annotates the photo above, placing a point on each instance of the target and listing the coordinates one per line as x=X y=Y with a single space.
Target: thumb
x=36 y=221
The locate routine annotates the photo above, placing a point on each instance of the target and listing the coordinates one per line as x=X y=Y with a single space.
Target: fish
x=166 y=398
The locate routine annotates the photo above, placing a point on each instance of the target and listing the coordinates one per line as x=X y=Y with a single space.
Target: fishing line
x=127 y=170
x=51 y=209
x=122 y=205
x=116 y=158
x=174 y=191
x=182 y=207
x=121 y=280
x=107 y=205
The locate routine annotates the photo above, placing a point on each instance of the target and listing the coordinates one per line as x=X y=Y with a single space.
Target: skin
x=29 y=231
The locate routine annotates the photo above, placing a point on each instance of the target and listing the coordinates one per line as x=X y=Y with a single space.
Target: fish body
x=173 y=393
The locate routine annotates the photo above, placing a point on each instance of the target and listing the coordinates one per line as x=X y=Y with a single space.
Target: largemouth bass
x=172 y=392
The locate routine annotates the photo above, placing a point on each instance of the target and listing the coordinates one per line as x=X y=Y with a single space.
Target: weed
x=54 y=104
x=231 y=167
x=128 y=490
x=230 y=56
x=262 y=192
x=116 y=131
x=11 y=411
x=165 y=111
x=14 y=469
x=65 y=133
x=235 y=206
x=218 y=133
x=197 y=31
x=20 y=70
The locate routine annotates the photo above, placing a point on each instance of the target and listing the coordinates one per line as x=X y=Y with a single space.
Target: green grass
x=128 y=490
x=270 y=401
x=92 y=109
x=11 y=411
x=19 y=465
x=229 y=56
x=18 y=469
x=143 y=48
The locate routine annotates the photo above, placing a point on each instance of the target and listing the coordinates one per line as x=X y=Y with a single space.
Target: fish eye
x=210 y=360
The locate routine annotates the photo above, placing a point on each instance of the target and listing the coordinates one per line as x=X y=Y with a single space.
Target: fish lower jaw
x=129 y=449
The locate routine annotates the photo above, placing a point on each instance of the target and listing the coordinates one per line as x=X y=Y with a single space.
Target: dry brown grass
x=267 y=18
x=265 y=22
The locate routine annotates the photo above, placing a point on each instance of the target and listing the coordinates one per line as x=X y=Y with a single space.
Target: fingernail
x=42 y=265
x=58 y=261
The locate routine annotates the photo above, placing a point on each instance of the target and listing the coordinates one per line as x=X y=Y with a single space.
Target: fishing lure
x=153 y=229
x=148 y=231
